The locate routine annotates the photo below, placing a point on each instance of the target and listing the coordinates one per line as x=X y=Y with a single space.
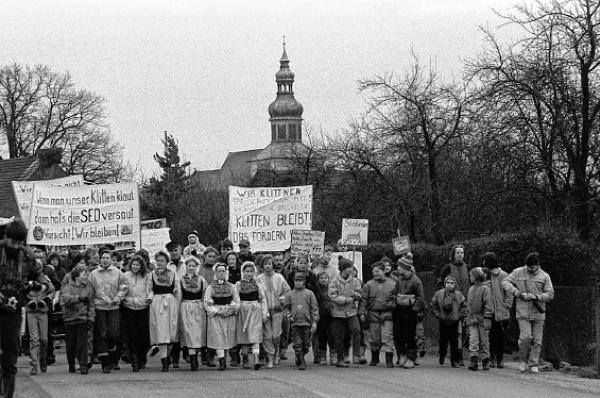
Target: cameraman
x=17 y=268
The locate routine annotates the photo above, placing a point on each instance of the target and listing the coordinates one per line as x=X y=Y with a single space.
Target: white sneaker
x=408 y=364
x=523 y=367
x=402 y=360
x=534 y=369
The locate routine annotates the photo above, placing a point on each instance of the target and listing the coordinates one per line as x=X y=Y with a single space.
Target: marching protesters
x=194 y=247
x=533 y=289
x=110 y=287
x=192 y=315
x=77 y=303
x=376 y=307
x=502 y=302
x=460 y=270
x=409 y=303
x=323 y=337
x=449 y=307
x=345 y=294
x=222 y=302
x=164 y=307
x=275 y=288
x=245 y=254
x=39 y=299
x=53 y=270
x=178 y=265
x=479 y=319
x=136 y=312
x=304 y=315
x=322 y=264
x=251 y=315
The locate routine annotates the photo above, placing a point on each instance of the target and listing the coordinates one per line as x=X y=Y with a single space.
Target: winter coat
x=479 y=304
x=109 y=284
x=460 y=272
x=520 y=281
x=303 y=307
x=340 y=290
x=73 y=309
x=275 y=288
x=411 y=286
x=502 y=300
x=324 y=302
x=378 y=300
x=139 y=288
x=448 y=307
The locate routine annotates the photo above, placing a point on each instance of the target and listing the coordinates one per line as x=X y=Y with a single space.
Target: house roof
x=239 y=160
x=13 y=170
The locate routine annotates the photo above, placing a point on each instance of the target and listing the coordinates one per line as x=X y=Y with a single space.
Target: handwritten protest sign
x=267 y=216
x=24 y=192
x=401 y=245
x=355 y=231
x=155 y=239
x=356 y=257
x=91 y=214
x=308 y=242
x=154 y=224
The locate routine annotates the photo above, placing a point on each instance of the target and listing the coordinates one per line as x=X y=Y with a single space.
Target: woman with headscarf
x=253 y=311
x=192 y=315
x=164 y=297
x=222 y=302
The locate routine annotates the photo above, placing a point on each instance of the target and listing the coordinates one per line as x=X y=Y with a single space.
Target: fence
x=571 y=332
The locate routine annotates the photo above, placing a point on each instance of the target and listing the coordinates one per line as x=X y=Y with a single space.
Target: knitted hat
x=194 y=233
x=489 y=260
x=478 y=274
x=244 y=243
x=406 y=262
x=451 y=278
x=344 y=263
x=532 y=259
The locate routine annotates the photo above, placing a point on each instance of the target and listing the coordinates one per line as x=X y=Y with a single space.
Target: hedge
x=569 y=261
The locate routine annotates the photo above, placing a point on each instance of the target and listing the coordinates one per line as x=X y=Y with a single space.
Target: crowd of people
x=215 y=306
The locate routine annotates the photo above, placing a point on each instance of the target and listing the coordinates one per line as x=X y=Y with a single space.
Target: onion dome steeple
x=285 y=111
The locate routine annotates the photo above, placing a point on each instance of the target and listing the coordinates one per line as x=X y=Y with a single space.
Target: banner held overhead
x=267 y=216
x=91 y=214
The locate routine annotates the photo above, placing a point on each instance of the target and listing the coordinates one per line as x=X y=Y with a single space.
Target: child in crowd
x=304 y=315
x=323 y=338
x=192 y=315
x=322 y=264
x=377 y=304
x=253 y=311
x=275 y=288
x=480 y=312
x=77 y=303
x=39 y=299
x=448 y=305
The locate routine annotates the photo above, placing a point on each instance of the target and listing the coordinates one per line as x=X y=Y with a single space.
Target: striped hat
x=406 y=262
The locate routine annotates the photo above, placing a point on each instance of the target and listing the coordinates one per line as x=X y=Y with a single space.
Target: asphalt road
x=427 y=380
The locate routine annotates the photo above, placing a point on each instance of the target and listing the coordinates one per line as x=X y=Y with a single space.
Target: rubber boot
x=485 y=364
x=389 y=359
x=43 y=356
x=222 y=364
x=374 y=358
x=193 y=362
x=165 y=365
x=72 y=368
x=257 y=363
x=474 y=365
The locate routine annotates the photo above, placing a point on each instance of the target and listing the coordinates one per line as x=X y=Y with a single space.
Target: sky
x=205 y=70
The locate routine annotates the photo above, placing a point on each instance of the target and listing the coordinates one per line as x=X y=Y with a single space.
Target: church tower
x=285 y=112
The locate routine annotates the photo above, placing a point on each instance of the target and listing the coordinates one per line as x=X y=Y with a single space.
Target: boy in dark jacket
x=303 y=315
x=323 y=338
x=480 y=312
x=77 y=302
x=449 y=306
x=377 y=304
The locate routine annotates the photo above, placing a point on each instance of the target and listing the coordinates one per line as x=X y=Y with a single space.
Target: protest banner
x=86 y=215
x=308 y=242
x=154 y=240
x=401 y=245
x=153 y=224
x=355 y=256
x=355 y=231
x=24 y=192
x=266 y=216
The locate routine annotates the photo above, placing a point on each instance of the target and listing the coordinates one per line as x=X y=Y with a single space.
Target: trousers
x=479 y=345
x=10 y=325
x=76 y=340
x=339 y=328
x=531 y=334
x=37 y=324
